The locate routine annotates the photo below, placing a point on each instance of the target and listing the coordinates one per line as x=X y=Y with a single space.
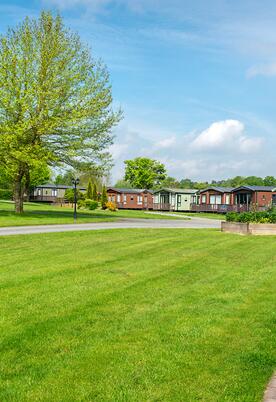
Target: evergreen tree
x=94 y=193
x=89 y=192
x=104 y=198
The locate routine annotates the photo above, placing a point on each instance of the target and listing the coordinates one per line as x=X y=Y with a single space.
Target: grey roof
x=130 y=190
x=58 y=186
x=178 y=190
x=218 y=189
x=256 y=188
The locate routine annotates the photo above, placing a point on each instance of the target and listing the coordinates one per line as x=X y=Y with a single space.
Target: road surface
x=193 y=223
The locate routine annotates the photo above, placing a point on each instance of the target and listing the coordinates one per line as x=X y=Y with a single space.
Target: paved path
x=194 y=223
x=270 y=393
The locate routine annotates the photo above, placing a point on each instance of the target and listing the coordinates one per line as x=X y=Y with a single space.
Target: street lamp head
x=75 y=181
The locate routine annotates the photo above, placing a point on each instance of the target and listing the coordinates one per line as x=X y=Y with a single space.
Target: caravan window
x=215 y=199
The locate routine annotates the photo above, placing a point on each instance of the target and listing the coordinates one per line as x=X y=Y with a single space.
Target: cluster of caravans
x=211 y=199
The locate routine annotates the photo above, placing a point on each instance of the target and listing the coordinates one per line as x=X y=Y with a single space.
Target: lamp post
x=75 y=182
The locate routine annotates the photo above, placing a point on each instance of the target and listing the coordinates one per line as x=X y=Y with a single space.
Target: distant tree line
x=148 y=173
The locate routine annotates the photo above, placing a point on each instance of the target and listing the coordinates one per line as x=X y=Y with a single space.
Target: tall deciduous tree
x=144 y=172
x=55 y=100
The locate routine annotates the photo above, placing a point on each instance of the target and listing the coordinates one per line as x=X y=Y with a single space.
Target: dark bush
x=5 y=194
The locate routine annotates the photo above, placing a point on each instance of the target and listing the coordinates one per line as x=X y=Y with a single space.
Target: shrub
x=5 y=194
x=88 y=204
x=69 y=195
x=111 y=206
x=232 y=217
x=104 y=198
x=254 y=217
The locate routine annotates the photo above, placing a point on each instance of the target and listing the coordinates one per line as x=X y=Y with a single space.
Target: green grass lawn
x=210 y=215
x=44 y=214
x=137 y=315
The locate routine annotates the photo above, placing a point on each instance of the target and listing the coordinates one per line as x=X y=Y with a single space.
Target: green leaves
x=144 y=172
x=55 y=101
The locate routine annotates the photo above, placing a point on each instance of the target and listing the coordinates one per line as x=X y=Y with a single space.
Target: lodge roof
x=255 y=188
x=219 y=189
x=58 y=186
x=177 y=190
x=130 y=190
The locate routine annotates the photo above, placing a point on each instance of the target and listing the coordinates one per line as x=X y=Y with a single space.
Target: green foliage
x=55 y=101
x=144 y=172
x=123 y=184
x=94 y=193
x=252 y=217
x=5 y=194
x=269 y=181
x=66 y=178
x=69 y=195
x=89 y=192
x=170 y=182
x=40 y=174
x=88 y=204
x=104 y=197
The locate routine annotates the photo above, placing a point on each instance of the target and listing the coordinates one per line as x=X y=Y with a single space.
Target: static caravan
x=130 y=198
x=51 y=193
x=174 y=199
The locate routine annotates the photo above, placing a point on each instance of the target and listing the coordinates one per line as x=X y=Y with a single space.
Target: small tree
x=144 y=172
x=94 y=193
x=104 y=198
x=70 y=195
x=89 y=192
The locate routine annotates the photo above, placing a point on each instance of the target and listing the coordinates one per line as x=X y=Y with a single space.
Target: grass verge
x=44 y=214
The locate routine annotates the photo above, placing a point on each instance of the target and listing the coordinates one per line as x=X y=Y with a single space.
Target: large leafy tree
x=144 y=172
x=55 y=100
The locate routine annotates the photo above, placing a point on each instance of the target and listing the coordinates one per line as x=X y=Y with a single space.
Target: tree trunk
x=27 y=185
x=18 y=194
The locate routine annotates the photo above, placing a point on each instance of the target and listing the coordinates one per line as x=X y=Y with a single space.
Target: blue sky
x=196 y=79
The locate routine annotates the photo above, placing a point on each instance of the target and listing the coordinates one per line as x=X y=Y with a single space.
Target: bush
x=253 y=217
x=88 y=204
x=5 y=194
x=111 y=206
x=232 y=217
x=70 y=195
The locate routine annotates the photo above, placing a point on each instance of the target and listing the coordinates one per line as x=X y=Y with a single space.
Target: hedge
x=5 y=194
x=253 y=217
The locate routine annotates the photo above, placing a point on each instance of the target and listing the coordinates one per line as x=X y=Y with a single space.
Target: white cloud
x=226 y=135
x=166 y=142
x=267 y=70
x=118 y=150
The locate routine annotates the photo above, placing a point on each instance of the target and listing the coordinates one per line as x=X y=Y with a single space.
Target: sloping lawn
x=44 y=214
x=137 y=315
